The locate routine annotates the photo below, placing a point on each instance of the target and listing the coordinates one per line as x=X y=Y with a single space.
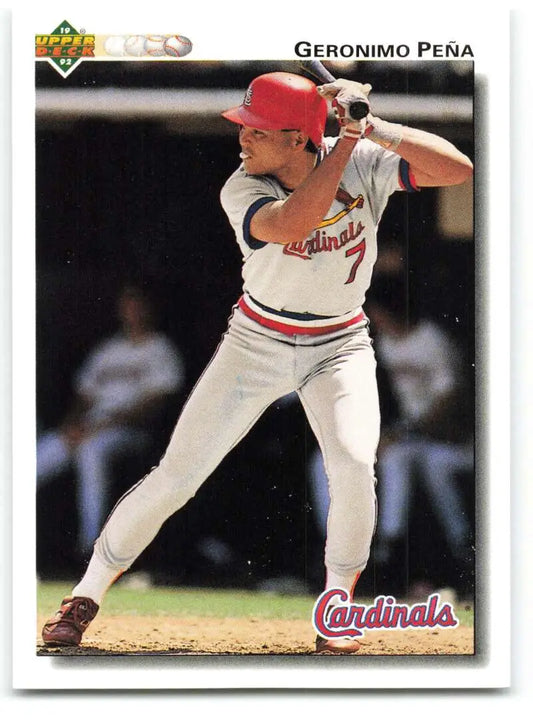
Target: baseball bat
x=358 y=109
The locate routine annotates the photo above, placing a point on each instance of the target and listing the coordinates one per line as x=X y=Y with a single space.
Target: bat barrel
x=358 y=110
x=316 y=69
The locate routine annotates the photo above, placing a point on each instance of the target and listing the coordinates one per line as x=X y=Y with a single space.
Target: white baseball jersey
x=323 y=279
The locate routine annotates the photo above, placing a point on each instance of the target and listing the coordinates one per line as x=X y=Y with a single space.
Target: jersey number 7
x=359 y=251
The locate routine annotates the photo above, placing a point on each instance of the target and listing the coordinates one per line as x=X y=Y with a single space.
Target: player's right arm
x=294 y=218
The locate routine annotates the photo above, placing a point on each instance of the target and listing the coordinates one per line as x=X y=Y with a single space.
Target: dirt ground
x=127 y=635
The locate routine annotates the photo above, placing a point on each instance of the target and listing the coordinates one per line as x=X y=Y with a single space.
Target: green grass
x=186 y=602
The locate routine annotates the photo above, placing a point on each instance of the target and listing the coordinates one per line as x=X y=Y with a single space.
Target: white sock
x=346 y=582
x=96 y=580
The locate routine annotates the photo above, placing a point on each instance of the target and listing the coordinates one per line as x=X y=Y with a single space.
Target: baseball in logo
x=65 y=47
x=177 y=46
x=146 y=46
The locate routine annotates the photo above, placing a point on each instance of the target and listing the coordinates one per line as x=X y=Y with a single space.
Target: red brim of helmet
x=241 y=115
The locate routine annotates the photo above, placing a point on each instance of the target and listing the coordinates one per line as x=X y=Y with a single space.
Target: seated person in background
x=121 y=391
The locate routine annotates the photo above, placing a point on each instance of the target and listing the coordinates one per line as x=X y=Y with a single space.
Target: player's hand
x=343 y=89
x=343 y=94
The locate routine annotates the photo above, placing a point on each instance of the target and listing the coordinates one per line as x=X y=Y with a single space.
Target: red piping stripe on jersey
x=290 y=328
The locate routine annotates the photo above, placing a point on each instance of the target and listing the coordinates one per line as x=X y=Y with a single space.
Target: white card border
x=30 y=671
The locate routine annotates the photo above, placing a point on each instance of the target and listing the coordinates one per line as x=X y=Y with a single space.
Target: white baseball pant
x=334 y=376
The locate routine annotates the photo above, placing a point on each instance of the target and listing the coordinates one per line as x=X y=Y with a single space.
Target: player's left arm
x=433 y=161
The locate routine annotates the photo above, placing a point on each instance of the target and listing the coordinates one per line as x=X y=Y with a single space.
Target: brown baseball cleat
x=66 y=627
x=342 y=646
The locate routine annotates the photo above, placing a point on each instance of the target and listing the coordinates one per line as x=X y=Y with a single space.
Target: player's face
x=266 y=151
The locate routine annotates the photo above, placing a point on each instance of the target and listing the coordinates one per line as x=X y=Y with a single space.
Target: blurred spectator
x=430 y=437
x=121 y=392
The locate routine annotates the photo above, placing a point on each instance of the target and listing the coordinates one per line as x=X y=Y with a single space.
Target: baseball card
x=260 y=376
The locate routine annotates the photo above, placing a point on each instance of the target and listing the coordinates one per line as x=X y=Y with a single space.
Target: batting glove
x=344 y=95
x=345 y=91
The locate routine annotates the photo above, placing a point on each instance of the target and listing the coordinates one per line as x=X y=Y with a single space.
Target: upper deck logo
x=65 y=47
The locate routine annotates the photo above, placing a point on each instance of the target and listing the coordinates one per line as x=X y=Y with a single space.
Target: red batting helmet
x=282 y=101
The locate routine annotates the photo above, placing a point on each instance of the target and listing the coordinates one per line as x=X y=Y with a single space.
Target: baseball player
x=305 y=210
